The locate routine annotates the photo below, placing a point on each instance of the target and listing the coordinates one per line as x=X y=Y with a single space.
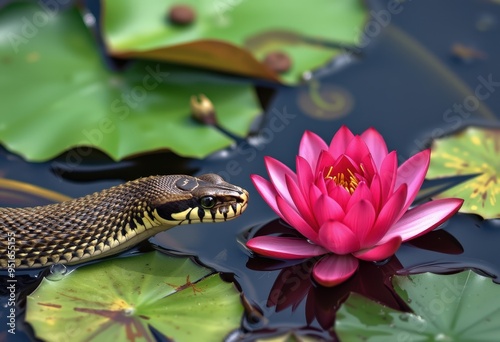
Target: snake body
x=110 y=221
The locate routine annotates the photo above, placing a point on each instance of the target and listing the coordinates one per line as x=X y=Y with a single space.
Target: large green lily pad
x=459 y=307
x=120 y=299
x=57 y=94
x=474 y=150
x=234 y=36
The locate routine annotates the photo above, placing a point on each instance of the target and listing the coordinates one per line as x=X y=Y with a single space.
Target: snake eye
x=207 y=202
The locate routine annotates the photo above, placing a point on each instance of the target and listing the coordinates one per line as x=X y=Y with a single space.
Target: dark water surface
x=405 y=84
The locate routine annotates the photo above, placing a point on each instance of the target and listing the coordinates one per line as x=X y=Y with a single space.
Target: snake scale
x=110 y=221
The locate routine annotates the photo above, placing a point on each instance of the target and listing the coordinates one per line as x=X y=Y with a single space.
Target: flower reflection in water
x=295 y=282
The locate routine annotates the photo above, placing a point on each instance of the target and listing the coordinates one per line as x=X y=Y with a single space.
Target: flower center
x=347 y=179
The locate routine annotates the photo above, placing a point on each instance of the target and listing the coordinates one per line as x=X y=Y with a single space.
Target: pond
x=415 y=80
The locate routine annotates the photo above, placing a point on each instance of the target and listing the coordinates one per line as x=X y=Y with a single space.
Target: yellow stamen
x=349 y=183
x=362 y=168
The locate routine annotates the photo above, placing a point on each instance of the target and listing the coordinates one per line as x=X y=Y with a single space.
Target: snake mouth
x=226 y=208
x=229 y=209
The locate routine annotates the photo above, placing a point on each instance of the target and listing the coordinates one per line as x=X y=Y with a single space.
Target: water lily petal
x=284 y=247
x=301 y=202
x=295 y=220
x=305 y=175
x=362 y=192
x=368 y=168
x=334 y=269
x=387 y=216
x=310 y=147
x=341 y=195
x=321 y=184
x=376 y=144
x=267 y=192
x=277 y=171
x=314 y=195
x=339 y=142
x=343 y=165
x=412 y=172
x=360 y=219
x=380 y=252
x=325 y=160
x=376 y=190
x=423 y=218
x=327 y=209
x=357 y=149
x=338 y=238
x=388 y=175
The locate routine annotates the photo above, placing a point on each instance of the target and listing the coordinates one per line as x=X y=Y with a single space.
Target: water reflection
x=295 y=285
x=57 y=272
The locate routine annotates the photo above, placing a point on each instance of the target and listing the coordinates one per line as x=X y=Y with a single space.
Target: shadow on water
x=406 y=84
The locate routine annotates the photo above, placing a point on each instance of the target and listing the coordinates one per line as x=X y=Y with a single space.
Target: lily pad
x=460 y=307
x=120 y=299
x=472 y=151
x=289 y=337
x=234 y=36
x=58 y=95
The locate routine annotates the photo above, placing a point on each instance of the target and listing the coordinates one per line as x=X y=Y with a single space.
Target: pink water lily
x=349 y=200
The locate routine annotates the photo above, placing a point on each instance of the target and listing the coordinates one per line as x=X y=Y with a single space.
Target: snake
x=113 y=220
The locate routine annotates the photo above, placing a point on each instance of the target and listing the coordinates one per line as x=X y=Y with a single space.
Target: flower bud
x=203 y=110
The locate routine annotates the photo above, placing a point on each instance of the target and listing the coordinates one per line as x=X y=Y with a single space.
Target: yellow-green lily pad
x=58 y=94
x=290 y=336
x=459 y=307
x=234 y=36
x=474 y=150
x=120 y=299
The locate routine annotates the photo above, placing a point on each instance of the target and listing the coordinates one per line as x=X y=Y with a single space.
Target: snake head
x=206 y=198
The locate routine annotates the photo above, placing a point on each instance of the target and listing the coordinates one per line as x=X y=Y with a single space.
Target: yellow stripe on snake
x=115 y=219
